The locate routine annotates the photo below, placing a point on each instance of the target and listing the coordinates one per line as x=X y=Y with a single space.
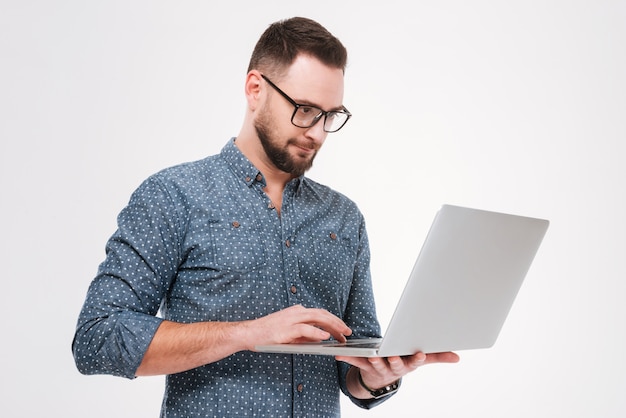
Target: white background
x=511 y=106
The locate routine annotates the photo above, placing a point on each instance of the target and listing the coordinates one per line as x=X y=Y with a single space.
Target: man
x=241 y=249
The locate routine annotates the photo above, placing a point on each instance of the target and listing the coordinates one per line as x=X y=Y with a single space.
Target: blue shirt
x=202 y=242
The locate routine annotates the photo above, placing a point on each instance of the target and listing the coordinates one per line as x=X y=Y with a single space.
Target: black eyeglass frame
x=316 y=118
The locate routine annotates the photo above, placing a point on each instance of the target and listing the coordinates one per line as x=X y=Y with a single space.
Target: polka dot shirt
x=202 y=242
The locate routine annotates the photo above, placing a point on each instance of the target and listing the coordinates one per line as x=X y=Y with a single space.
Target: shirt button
x=271 y=205
x=259 y=177
x=248 y=179
x=300 y=387
x=294 y=289
x=236 y=224
x=333 y=236
x=288 y=243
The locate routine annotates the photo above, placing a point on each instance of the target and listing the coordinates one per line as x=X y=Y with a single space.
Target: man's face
x=289 y=148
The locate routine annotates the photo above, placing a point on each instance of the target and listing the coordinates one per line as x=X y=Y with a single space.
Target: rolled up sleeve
x=118 y=318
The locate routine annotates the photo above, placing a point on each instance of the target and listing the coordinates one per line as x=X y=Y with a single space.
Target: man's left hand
x=378 y=372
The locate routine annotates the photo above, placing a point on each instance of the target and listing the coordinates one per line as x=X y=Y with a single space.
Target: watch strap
x=382 y=392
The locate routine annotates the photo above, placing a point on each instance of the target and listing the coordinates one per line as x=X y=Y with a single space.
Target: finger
x=293 y=325
x=416 y=360
x=378 y=364
x=305 y=332
x=447 y=357
x=320 y=319
x=398 y=365
x=326 y=321
x=316 y=316
x=339 y=336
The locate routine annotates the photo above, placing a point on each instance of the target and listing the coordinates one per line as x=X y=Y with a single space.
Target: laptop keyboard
x=369 y=343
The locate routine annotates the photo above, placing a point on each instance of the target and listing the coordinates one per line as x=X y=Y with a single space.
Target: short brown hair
x=284 y=40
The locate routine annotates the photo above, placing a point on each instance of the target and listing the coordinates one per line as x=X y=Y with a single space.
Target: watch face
x=385 y=391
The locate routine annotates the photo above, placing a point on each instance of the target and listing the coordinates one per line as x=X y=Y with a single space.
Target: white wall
x=511 y=106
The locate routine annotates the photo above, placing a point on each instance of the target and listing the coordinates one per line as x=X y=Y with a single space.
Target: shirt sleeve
x=118 y=319
x=360 y=313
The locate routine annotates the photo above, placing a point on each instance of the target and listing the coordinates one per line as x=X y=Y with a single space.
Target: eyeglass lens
x=307 y=116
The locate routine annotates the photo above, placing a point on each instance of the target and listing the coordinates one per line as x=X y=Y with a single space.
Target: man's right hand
x=296 y=324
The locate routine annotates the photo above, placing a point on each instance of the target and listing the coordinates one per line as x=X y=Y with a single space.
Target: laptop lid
x=461 y=289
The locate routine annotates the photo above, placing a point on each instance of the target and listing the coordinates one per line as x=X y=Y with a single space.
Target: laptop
x=460 y=290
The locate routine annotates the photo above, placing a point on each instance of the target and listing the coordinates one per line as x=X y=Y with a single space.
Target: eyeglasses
x=305 y=116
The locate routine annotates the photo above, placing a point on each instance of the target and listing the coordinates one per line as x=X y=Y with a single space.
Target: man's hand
x=378 y=372
x=294 y=325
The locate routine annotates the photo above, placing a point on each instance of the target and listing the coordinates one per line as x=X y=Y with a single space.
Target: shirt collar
x=244 y=169
x=240 y=165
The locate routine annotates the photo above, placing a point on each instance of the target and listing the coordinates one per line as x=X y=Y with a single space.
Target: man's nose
x=317 y=133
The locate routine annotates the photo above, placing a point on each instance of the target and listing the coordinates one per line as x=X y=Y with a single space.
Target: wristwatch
x=382 y=392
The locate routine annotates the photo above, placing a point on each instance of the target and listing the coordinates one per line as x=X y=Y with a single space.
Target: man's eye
x=309 y=110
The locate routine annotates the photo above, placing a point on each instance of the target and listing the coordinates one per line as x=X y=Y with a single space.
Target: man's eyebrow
x=339 y=108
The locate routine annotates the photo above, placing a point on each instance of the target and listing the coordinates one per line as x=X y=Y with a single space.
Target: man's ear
x=253 y=88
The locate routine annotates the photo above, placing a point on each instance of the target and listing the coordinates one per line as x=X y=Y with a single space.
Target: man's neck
x=275 y=179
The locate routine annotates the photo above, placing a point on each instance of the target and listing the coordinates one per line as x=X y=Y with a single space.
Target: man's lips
x=305 y=148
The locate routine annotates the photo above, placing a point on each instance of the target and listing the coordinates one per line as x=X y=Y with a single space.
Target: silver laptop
x=460 y=291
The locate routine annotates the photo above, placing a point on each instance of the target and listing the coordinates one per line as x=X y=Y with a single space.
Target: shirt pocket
x=224 y=244
x=338 y=253
x=328 y=268
x=237 y=244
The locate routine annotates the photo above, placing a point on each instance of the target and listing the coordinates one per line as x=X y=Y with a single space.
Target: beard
x=279 y=154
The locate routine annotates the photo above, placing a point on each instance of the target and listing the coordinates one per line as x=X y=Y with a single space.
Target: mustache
x=307 y=145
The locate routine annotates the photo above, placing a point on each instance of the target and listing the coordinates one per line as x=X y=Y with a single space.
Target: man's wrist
x=380 y=392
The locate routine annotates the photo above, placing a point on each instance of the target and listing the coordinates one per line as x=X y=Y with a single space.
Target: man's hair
x=284 y=40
